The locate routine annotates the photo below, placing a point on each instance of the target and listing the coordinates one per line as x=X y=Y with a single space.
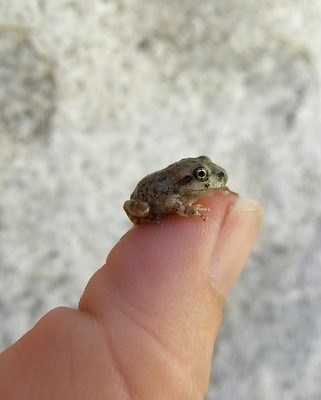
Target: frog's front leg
x=184 y=207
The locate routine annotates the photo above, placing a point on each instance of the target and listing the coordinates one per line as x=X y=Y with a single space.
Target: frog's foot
x=154 y=219
x=196 y=210
x=176 y=206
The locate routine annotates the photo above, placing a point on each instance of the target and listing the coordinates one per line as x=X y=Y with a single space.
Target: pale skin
x=148 y=319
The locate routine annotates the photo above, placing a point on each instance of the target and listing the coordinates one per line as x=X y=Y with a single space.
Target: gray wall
x=95 y=94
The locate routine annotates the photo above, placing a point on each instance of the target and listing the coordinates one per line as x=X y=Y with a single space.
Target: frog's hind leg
x=136 y=210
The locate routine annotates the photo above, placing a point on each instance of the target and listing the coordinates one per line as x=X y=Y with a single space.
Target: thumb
x=161 y=293
x=148 y=319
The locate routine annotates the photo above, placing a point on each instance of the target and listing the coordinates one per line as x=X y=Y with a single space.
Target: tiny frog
x=175 y=190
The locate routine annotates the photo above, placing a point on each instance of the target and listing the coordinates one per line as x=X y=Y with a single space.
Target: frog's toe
x=201 y=208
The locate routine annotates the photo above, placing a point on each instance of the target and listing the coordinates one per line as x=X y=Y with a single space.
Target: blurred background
x=96 y=94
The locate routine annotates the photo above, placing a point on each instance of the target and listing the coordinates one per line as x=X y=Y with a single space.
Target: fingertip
x=161 y=263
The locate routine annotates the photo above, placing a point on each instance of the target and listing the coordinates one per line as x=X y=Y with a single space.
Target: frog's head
x=201 y=177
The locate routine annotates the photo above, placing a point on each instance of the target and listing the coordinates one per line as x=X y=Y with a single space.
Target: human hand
x=148 y=319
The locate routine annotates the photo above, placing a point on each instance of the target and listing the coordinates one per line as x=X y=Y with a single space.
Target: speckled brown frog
x=175 y=189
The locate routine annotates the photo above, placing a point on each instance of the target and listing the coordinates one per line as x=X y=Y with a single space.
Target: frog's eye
x=200 y=173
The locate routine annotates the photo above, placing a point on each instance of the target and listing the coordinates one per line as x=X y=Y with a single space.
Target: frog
x=175 y=190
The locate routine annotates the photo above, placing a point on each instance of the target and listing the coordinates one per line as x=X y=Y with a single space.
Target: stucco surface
x=93 y=95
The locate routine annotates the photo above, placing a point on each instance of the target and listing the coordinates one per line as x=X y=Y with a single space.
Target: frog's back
x=154 y=189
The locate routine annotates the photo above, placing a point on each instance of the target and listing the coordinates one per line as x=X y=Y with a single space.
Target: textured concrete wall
x=95 y=94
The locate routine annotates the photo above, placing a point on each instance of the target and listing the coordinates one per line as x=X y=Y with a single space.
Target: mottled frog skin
x=175 y=190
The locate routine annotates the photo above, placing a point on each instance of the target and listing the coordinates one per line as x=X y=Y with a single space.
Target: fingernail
x=236 y=238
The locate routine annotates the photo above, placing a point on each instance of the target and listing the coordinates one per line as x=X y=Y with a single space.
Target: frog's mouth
x=208 y=191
